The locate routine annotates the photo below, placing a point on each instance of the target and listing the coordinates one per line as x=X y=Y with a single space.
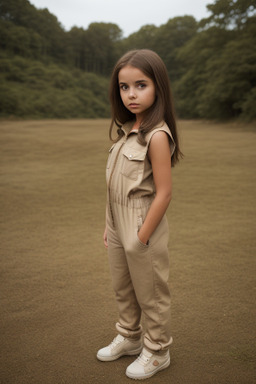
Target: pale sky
x=129 y=15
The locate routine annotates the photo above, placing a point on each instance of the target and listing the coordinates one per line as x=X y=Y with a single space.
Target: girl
x=139 y=192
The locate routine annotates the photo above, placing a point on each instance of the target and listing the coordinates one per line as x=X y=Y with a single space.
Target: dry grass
x=57 y=305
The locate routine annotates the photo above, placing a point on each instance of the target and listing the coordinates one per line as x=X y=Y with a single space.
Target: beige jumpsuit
x=139 y=272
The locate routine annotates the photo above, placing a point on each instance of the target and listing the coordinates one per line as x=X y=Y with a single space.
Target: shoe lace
x=142 y=359
x=117 y=340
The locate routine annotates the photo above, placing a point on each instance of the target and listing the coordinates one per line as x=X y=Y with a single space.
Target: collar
x=127 y=127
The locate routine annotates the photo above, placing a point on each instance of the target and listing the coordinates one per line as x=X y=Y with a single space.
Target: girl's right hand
x=105 y=237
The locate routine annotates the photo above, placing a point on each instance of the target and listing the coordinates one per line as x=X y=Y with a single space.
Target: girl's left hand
x=142 y=239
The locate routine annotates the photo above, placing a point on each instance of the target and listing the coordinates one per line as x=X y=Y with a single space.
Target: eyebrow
x=136 y=82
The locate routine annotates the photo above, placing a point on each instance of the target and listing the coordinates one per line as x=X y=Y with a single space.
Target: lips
x=133 y=105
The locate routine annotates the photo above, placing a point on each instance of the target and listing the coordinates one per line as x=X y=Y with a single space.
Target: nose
x=132 y=93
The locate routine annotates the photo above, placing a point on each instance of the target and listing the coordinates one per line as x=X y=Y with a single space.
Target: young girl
x=139 y=192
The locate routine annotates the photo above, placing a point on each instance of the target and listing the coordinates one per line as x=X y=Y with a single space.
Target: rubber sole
x=115 y=357
x=150 y=374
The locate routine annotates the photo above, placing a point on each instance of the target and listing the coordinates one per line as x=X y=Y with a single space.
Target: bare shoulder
x=159 y=137
x=159 y=144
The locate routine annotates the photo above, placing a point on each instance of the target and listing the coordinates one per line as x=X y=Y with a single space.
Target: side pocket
x=141 y=245
x=139 y=222
x=139 y=225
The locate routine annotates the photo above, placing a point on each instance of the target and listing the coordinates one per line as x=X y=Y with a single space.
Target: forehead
x=131 y=74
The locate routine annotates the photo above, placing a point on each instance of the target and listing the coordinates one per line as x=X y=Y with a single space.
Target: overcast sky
x=129 y=15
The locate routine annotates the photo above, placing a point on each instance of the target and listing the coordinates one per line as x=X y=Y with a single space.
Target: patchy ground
x=57 y=305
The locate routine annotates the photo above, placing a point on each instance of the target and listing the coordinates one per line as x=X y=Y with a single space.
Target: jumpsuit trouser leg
x=140 y=275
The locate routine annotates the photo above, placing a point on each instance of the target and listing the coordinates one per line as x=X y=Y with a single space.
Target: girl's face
x=137 y=91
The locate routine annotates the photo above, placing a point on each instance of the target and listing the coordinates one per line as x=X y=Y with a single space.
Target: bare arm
x=160 y=156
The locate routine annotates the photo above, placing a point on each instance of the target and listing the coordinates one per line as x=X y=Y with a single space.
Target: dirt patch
x=57 y=304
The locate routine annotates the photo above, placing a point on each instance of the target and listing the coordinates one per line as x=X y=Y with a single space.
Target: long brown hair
x=162 y=109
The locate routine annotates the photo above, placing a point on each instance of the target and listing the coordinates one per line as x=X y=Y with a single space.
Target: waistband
x=133 y=201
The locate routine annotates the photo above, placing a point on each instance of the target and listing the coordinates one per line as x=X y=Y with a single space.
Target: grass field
x=57 y=305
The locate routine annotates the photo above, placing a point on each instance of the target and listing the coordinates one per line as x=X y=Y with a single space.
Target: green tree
x=211 y=64
x=229 y=79
x=20 y=40
x=143 y=38
x=165 y=40
x=219 y=64
x=76 y=42
x=194 y=60
x=170 y=37
x=22 y=14
x=100 y=47
x=230 y=13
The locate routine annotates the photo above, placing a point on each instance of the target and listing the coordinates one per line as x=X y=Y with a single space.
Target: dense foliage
x=46 y=71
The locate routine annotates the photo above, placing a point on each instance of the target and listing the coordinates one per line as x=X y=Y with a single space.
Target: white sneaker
x=147 y=364
x=120 y=346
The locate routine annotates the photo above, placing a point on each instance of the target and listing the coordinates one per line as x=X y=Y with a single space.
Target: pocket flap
x=133 y=154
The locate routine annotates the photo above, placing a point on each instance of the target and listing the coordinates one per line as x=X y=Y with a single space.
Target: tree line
x=46 y=71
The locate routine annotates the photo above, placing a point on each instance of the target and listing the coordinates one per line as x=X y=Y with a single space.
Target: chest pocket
x=133 y=162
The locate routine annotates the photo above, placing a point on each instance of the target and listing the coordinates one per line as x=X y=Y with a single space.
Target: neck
x=136 y=124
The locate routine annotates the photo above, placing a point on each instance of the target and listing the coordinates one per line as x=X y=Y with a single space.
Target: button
x=130 y=156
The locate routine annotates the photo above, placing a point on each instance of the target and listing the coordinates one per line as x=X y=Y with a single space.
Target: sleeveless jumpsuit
x=139 y=272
